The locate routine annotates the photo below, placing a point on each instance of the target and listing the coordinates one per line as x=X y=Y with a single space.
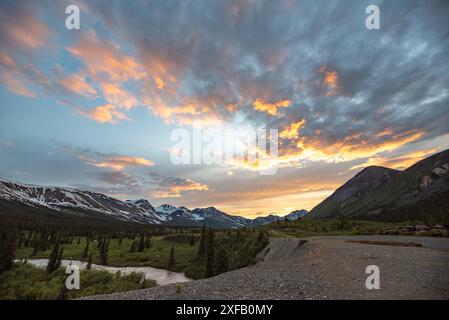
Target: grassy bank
x=328 y=227
x=27 y=282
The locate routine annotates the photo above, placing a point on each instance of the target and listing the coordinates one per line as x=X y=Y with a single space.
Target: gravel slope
x=323 y=268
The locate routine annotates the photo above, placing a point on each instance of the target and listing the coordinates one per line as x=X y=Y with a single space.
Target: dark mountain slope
x=385 y=194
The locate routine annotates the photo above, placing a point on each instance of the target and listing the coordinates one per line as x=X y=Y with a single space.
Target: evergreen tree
x=222 y=261
x=53 y=260
x=34 y=251
x=209 y=271
x=141 y=243
x=58 y=262
x=192 y=240
x=89 y=262
x=28 y=239
x=171 y=259
x=104 y=252
x=8 y=246
x=260 y=236
x=148 y=242
x=86 y=249
x=202 y=247
x=133 y=248
x=19 y=245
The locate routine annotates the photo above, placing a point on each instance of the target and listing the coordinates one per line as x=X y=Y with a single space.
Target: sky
x=94 y=108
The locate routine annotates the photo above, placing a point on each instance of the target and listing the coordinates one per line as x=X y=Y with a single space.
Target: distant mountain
x=20 y=198
x=218 y=219
x=264 y=220
x=294 y=215
x=77 y=202
x=384 y=194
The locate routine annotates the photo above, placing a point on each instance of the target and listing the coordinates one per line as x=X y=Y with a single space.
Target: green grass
x=27 y=282
x=326 y=227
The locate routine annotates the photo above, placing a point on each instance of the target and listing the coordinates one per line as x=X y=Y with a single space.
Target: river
x=161 y=276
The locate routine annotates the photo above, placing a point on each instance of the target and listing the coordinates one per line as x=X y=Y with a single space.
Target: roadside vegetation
x=307 y=227
x=26 y=282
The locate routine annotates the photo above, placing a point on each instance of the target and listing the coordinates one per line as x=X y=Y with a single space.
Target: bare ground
x=323 y=268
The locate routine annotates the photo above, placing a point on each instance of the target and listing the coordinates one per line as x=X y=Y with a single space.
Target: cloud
x=119 y=163
x=104 y=114
x=270 y=108
x=103 y=59
x=21 y=29
x=330 y=80
x=13 y=82
x=118 y=96
x=77 y=83
x=173 y=187
x=291 y=130
x=400 y=162
x=355 y=96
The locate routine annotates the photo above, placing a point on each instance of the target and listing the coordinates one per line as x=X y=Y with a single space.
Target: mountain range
x=379 y=193
x=24 y=198
x=375 y=193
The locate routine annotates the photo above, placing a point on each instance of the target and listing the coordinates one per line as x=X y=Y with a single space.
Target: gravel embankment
x=323 y=268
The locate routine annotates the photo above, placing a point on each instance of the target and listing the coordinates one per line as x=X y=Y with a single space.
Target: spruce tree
x=209 y=271
x=260 y=236
x=202 y=247
x=104 y=252
x=133 y=247
x=58 y=262
x=171 y=259
x=141 y=243
x=89 y=262
x=148 y=242
x=192 y=240
x=8 y=246
x=86 y=249
x=222 y=261
x=53 y=260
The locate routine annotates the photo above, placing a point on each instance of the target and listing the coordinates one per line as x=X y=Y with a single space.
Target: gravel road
x=322 y=268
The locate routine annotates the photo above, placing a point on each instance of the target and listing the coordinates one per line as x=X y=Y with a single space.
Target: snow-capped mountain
x=209 y=216
x=78 y=201
x=218 y=219
x=86 y=203
x=294 y=215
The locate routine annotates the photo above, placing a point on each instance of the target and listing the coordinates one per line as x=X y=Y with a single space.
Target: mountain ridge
x=83 y=202
x=390 y=194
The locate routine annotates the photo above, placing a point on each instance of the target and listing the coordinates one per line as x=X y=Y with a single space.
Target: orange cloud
x=104 y=59
x=270 y=108
x=401 y=162
x=6 y=60
x=26 y=30
x=160 y=84
x=13 y=81
x=186 y=113
x=350 y=148
x=104 y=114
x=291 y=130
x=78 y=84
x=117 y=96
x=330 y=80
x=119 y=163
x=175 y=191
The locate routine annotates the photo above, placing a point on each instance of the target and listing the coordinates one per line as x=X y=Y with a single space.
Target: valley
x=322 y=268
